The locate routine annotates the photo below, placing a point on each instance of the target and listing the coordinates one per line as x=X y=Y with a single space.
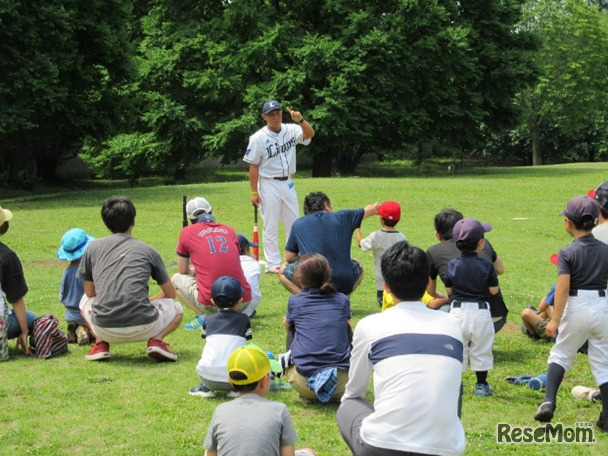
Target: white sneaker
x=584 y=393
x=201 y=391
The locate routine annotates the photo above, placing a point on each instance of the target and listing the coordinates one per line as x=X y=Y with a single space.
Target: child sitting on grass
x=223 y=331
x=251 y=424
x=535 y=321
x=318 y=320
x=73 y=245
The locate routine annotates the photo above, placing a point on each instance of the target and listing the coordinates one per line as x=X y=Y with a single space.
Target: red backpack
x=47 y=339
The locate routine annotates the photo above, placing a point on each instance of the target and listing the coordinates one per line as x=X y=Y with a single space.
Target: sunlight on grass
x=132 y=405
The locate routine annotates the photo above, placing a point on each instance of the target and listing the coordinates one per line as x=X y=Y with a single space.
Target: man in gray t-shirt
x=116 y=270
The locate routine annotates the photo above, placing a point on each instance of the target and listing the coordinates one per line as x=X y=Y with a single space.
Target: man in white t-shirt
x=271 y=155
x=251 y=269
x=416 y=355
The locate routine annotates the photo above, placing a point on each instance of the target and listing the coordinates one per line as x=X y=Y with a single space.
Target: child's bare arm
x=359 y=236
x=287 y=450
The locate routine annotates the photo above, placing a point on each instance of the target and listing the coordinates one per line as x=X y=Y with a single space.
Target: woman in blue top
x=320 y=319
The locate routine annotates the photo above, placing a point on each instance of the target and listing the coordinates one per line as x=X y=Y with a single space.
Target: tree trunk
x=347 y=162
x=46 y=165
x=419 y=154
x=537 y=157
x=322 y=164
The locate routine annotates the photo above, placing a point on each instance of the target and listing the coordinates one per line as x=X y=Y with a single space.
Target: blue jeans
x=13 y=325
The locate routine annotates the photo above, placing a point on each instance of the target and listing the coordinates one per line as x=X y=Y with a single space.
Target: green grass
x=133 y=405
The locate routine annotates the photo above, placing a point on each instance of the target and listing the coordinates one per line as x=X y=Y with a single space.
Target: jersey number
x=219 y=244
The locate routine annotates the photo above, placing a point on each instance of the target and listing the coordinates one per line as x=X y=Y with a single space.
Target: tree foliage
x=371 y=76
x=62 y=63
x=157 y=85
x=571 y=92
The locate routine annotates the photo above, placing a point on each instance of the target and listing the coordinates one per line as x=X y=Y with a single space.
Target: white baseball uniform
x=275 y=153
x=586 y=314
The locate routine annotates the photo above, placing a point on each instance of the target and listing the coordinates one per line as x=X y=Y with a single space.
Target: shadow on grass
x=366 y=169
x=514 y=356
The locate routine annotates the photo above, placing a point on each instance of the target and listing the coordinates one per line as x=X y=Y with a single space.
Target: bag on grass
x=47 y=339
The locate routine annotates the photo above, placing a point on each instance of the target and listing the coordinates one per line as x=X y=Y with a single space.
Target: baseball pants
x=585 y=318
x=477 y=333
x=279 y=202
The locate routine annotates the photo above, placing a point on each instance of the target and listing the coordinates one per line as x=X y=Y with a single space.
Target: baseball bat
x=256 y=250
x=184 y=214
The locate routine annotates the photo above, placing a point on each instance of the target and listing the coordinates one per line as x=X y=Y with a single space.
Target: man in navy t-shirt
x=329 y=233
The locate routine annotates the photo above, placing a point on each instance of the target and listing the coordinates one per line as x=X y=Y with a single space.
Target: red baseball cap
x=390 y=210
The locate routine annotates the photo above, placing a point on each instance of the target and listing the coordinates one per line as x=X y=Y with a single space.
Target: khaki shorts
x=298 y=383
x=186 y=285
x=168 y=309
x=540 y=329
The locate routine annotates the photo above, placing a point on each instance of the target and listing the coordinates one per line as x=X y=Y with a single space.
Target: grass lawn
x=134 y=405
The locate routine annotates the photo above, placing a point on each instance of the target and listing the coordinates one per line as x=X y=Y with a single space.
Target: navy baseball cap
x=244 y=243
x=226 y=291
x=208 y=218
x=469 y=229
x=270 y=106
x=581 y=207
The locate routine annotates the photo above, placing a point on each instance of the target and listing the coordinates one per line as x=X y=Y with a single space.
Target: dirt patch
x=510 y=328
x=45 y=262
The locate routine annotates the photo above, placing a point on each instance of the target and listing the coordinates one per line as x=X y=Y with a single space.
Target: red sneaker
x=99 y=352
x=159 y=350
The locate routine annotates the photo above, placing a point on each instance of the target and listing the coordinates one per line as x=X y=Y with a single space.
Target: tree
x=572 y=90
x=62 y=66
x=371 y=76
x=376 y=75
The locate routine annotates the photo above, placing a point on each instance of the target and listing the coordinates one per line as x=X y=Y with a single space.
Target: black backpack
x=47 y=339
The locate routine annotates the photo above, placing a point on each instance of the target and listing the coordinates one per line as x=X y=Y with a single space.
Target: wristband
x=254 y=193
x=301 y=121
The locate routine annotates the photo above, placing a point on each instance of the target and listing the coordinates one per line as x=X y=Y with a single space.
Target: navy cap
x=270 y=106
x=226 y=291
x=208 y=218
x=244 y=243
x=469 y=229
x=581 y=207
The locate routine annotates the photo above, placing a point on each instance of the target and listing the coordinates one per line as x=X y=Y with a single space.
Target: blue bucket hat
x=73 y=244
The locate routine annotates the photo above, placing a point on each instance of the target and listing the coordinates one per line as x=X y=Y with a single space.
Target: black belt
x=457 y=304
x=600 y=293
x=284 y=178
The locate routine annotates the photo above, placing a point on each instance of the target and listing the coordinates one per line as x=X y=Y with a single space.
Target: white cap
x=5 y=215
x=196 y=207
